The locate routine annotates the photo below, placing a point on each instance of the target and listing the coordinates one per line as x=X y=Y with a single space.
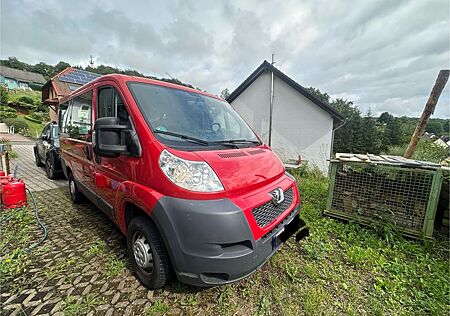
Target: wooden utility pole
x=429 y=109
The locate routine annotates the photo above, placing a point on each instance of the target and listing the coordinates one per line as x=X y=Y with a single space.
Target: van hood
x=243 y=170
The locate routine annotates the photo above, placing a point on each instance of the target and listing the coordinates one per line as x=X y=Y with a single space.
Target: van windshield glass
x=180 y=116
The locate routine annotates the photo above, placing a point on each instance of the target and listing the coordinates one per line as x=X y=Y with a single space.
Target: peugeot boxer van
x=196 y=192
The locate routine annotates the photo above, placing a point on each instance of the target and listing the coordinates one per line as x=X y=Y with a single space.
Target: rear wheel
x=37 y=159
x=50 y=167
x=148 y=253
x=75 y=195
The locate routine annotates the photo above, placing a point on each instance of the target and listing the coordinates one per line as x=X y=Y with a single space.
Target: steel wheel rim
x=142 y=252
x=72 y=187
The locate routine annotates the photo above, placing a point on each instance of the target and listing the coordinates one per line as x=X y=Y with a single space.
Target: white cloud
x=384 y=55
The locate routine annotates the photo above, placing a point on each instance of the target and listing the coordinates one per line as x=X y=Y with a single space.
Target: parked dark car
x=47 y=153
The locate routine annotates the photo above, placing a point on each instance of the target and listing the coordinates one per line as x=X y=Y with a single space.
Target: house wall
x=53 y=113
x=253 y=105
x=299 y=127
x=9 y=82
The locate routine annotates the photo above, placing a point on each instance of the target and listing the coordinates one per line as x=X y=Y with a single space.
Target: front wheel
x=148 y=253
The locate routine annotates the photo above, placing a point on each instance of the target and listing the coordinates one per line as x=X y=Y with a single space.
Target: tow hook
x=303 y=231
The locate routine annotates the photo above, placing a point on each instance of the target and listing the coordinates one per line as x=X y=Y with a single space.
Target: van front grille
x=268 y=212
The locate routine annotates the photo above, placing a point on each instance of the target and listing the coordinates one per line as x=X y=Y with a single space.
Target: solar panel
x=80 y=77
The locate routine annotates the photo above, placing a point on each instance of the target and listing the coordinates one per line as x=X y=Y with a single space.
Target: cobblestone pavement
x=84 y=258
x=83 y=267
x=16 y=138
x=34 y=177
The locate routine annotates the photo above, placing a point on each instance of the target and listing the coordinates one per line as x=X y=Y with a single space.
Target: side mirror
x=110 y=137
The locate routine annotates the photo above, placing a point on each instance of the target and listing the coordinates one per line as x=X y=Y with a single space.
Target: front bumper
x=210 y=242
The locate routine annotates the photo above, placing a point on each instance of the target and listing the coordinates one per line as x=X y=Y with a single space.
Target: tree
x=370 y=136
x=319 y=95
x=44 y=69
x=3 y=96
x=225 y=94
x=348 y=137
x=435 y=127
x=60 y=67
x=446 y=127
x=385 y=117
x=392 y=133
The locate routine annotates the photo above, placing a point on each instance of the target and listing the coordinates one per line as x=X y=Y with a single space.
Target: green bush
x=4 y=96
x=16 y=123
x=37 y=119
x=20 y=126
x=26 y=99
x=7 y=112
x=426 y=151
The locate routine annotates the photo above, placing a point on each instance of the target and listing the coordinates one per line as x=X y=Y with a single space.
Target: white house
x=302 y=125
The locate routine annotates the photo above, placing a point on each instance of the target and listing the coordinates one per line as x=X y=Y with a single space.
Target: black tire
x=37 y=160
x=50 y=167
x=75 y=195
x=161 y=271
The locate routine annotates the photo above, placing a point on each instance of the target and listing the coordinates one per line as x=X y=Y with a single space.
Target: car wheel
x=148 y=253
x=37 y=159
x=75 y=195
x=50 y=167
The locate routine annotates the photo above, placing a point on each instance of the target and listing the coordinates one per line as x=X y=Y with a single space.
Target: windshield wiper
x=188 y=138
x=238 y=141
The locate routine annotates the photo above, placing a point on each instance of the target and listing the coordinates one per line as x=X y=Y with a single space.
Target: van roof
x=123 y=79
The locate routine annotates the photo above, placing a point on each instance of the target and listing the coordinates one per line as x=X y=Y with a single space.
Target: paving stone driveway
x=34 y=177
x=83 y=260
x=65 y=266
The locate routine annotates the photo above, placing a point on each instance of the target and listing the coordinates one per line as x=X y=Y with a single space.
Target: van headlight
x=190 y=175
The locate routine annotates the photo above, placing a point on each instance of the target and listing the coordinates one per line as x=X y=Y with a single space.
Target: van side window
x=76 y=116
x=110 y=104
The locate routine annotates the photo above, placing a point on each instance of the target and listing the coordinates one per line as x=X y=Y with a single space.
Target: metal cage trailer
x=385 y=190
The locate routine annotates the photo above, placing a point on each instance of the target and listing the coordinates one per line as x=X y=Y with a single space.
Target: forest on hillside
x=48 y=71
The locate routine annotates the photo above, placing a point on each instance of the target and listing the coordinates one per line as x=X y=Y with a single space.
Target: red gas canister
x=13 y=193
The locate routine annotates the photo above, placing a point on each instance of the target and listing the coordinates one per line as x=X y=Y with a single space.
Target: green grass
x=158 y=308
x=35 y=128
x=114 y=267
x=15 y=230
x=340 y=269
x=96 y=249
x=81 y=306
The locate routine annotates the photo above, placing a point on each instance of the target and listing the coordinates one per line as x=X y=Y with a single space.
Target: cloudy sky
x=384 y=55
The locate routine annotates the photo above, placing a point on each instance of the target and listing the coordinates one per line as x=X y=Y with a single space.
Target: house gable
x=266 y=67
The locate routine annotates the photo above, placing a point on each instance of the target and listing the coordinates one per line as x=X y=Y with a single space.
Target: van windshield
x=180 y=117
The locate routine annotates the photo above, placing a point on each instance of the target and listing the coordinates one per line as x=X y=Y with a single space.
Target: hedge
x=31 y=119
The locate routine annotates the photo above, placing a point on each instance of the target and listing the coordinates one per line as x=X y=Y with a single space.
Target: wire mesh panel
x=382 y=193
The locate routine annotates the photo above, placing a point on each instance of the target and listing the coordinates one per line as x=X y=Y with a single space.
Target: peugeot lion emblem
x=277 y=196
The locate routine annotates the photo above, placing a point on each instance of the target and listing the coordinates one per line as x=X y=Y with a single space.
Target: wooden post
x=429 y=109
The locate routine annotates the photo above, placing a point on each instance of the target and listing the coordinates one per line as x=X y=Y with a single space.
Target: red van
x=192 y=187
